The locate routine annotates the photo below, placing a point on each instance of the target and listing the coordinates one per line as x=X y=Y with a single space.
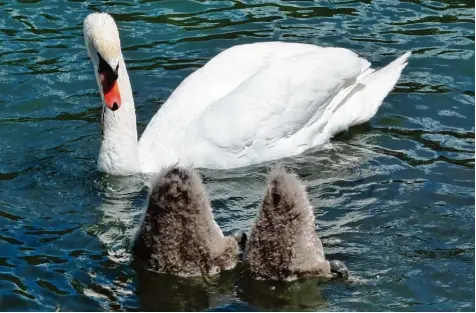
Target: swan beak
x=112 y=96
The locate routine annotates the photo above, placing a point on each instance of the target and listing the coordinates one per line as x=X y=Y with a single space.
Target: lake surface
x=394 y=198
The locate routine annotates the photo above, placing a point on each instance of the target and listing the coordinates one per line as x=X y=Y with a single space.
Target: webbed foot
x=339 y=268
x=241 y=239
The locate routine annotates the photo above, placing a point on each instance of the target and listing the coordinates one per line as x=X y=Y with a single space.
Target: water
x=394 y=198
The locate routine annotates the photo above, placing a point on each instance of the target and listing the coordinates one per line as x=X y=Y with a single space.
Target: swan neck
x=118 y=154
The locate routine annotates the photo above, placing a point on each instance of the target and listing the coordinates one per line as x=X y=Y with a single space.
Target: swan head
x=104 y=48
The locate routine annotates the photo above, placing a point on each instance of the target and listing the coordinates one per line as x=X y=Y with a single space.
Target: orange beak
x=112 y=96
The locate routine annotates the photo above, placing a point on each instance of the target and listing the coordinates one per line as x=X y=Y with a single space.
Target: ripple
x=394 y=198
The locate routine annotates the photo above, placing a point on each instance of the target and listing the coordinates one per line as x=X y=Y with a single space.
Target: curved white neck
x=118 y=154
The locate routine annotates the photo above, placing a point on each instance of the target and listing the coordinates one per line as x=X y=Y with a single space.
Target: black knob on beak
x=106 y=70
x=115 y=73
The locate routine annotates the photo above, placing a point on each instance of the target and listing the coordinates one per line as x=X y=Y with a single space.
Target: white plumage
x=256 y=102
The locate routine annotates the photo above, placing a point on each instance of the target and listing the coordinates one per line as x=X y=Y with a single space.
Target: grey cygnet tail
x=178 y=234
x=284 y=244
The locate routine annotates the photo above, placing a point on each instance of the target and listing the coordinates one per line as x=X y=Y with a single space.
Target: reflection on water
x=394 y=198
x=120 y=213
x=295 y=296
x=158 y=292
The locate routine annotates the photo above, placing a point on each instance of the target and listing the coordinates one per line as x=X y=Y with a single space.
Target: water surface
x=394 y=198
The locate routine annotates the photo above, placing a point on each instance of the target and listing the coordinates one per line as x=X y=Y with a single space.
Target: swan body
x=283 y=244
x=178 y=234
x=251 y=103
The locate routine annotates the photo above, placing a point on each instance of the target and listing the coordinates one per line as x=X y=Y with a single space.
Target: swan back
x=283 y=244
x=215 y=80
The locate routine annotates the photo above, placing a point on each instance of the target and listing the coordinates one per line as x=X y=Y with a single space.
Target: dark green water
x=394 y=198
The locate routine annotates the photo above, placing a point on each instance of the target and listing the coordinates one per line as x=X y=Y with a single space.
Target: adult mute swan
x=250 y=103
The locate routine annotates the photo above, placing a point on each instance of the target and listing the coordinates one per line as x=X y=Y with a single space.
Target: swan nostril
x=115 y=106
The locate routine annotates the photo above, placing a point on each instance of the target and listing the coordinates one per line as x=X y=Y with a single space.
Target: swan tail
x=380 y=83
x=364 y=98
x=285 y=193
x=177 y=190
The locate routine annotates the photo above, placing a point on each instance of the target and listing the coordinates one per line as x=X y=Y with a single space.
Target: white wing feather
x=287 y=98
x=264 y=101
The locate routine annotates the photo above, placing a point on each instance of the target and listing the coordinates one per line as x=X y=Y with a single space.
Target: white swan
x=251 y=103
